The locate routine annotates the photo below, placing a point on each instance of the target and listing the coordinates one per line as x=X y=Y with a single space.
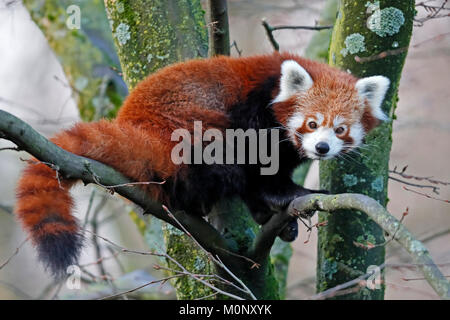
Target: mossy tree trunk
x=86 y=60
x=368 y=39
x=148 y=36
x=317 y=49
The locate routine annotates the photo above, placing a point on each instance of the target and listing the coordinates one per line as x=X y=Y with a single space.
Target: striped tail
x=44 y=207
x=44 y=204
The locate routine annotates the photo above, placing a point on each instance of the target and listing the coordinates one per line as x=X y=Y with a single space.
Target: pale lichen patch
x=386 y=22
x=172 y=230
x=350 y=180
x=354 y=43
x=199 y=264
x=122 y=33
x=371 y=7
x=378 y=184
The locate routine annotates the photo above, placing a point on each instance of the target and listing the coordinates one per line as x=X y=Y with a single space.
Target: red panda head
x=330 y=114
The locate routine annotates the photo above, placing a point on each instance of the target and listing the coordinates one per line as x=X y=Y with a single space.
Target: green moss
x=233 y=220
x=280 y=256
x=367 y=171
x=170 y=32
x=183 y=250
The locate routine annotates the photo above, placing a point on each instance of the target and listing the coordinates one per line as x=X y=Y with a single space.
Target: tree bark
x=368 y=39
x=86 y=61
x=218 y=33
x=149 y=36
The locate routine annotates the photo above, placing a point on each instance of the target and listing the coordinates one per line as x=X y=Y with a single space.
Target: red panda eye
x=339 y=130
x=312 y=124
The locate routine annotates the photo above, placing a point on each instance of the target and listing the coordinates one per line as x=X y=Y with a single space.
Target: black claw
x=290 y=232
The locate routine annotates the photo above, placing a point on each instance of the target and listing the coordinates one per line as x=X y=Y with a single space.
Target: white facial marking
x=337 y=121
x=357 y=134
x=373 y=89
x=294 y=79
x=320 y=118
x=293 y=123
x=323 y=134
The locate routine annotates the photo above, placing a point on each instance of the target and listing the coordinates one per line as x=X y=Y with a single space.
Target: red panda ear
x=373 y=90
x=294 y=79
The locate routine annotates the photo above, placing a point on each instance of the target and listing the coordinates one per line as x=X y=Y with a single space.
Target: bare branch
x=408 y=176
x=426 y=195
x=434 y=12
x=235 y=45
x=270 y=29
x=269 y=32
x=14 y=254
x=312 y=28
x=433 y=188
x=381 y=55
x=387 y=222
x=219 y=38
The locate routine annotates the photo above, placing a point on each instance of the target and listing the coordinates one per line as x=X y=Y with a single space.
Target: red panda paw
x=290 y=232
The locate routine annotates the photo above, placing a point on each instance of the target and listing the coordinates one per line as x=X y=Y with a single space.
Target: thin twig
x=381 y=55
x=116 y=295
x=215 y=259
x=235 y=45
x=312 y=28
x=94 y=226
x=332 y=292
x=270 y=29
x=418 y=178
x=433 y=12
x=426 y=195
x=14 y=253
x=167 y=256
x=269 y=32
x=433 y=188
x=369 y=246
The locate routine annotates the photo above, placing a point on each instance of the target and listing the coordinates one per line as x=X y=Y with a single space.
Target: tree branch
x=418 y=252
x=270 y=29
x=72 y=166
x=218 y=35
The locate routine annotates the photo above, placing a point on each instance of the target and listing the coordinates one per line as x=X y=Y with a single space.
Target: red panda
x=321 y=111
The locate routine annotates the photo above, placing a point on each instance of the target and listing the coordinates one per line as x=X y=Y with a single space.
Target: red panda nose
x=322 y=147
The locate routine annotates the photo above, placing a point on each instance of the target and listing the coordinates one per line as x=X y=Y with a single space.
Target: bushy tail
x=44 y=205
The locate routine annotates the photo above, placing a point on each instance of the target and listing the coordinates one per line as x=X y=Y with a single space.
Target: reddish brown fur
x=138 y=142
x=369 y=121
